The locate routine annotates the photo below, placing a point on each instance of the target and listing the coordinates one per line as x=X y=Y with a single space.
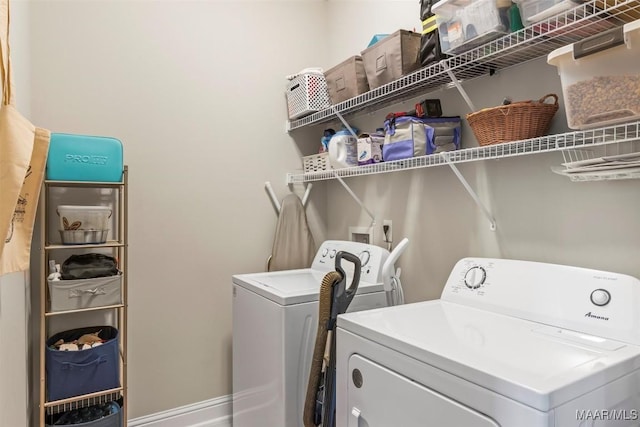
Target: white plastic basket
x=306 y=94
x=316 y=162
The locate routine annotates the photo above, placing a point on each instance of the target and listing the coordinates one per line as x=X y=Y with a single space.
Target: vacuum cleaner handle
x=356 y=269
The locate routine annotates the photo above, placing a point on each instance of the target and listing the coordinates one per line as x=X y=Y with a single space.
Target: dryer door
x=379 y=397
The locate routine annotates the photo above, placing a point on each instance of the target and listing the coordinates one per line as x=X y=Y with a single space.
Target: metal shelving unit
x=516 y=48
x=119 y=249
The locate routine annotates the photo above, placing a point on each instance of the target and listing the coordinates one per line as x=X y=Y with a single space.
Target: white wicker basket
x=316 y=162
x=306 y=94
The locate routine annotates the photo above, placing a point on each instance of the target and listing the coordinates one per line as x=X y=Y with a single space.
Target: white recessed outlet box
x=361 y=234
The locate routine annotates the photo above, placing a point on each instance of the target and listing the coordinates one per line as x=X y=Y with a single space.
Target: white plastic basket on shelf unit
x=316 y=162
x=307 y=93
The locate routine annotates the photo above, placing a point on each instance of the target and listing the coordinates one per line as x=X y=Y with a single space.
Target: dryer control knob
x=600 y=297
x=325 y=251
x=332 y=254
x=475 y=277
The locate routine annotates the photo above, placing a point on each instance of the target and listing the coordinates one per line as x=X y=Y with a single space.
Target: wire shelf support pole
x=474 y=195
x=358 y=201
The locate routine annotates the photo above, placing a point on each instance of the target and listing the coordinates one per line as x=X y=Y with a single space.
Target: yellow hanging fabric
x=23 y=157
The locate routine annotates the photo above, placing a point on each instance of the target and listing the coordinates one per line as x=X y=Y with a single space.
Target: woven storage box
x=85 y=293
x=392 y=57
x=346 y=80
x=513 y=122
x=316 y=162
x=74 y=373
x=306 y=94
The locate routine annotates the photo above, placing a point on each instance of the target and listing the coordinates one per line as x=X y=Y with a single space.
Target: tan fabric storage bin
x=392 y=57
x=85 y=293
x=346 y=80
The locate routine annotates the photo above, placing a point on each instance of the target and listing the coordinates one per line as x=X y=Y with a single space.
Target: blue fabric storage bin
x=84 y=158
x=73 y=373
x=112 y=420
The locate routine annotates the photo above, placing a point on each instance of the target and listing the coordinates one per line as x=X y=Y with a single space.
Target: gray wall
x=541 y=216
x=195 y=91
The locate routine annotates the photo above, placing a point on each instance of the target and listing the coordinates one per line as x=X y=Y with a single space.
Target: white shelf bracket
x=305 y=196
x=344 y=122
x=358 y=201
x=474 y=196
x=274 y=199
x=458 y=86
x=272 y=196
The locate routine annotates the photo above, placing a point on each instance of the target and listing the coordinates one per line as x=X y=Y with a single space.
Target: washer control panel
x=372 y=258
x=590 y=301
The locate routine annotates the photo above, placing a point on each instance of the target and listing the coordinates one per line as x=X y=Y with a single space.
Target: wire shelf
x=530 y=43
x=627 y=132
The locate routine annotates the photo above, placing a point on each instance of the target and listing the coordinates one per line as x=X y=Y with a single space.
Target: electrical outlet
x=388 y=237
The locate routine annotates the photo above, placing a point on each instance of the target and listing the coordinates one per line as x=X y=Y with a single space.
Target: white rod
x=456 y=82
x=305 y=197
x=272 y=195
x=353 y=195
x=492 y=222
x=344 y=122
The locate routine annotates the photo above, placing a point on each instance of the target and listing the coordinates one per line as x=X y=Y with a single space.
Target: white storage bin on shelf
x=84 y=224
x=85 y=293
x=307 y=93
x=600 y=78
x=464 y=24
x=536 y=10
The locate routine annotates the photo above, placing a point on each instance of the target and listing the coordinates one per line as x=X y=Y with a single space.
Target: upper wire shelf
x=527 y=44
x=594 y=137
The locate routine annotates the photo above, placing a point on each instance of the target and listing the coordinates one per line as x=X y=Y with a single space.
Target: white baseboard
x=210 y=413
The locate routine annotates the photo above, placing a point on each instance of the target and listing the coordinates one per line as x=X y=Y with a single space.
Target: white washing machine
x=510 y=343
x=274 y=330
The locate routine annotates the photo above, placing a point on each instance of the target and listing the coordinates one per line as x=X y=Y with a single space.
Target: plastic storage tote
x=306 y=94
x=85 y=293
x=465 y=24
x=103 y=415
x=600 y=77
x=346 y=80
x=74 y=373
x=536 y=10
x=84 y=158
x=392 y=57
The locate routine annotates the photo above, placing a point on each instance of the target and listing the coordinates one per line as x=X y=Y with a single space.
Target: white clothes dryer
x=274 y=329
x=509 y=343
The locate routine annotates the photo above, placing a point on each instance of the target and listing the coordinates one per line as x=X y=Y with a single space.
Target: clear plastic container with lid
x=464 y=24
x=600 y=77
x=536 y=10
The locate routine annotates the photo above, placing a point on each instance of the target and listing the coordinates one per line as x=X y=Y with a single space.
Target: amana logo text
x=80 y=158
x=593 y=316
